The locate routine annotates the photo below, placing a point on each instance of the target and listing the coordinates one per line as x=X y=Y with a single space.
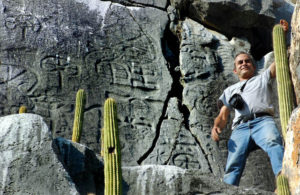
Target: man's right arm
x=220 y=122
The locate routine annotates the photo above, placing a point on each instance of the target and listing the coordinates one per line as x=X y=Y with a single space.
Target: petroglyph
x=25 y=22
x=17 y=76
x=57 y=68
x=188 y=154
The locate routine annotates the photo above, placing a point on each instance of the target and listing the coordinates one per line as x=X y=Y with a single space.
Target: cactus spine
x=284 y=84
x=78 y=117
x=22 y=109
x=112 y=154
x=282 y=185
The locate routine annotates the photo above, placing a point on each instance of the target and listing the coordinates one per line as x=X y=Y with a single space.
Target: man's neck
x=246 y=78
x=243 y=79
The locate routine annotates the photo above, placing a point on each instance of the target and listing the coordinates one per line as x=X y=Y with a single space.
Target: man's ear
x=234 y=71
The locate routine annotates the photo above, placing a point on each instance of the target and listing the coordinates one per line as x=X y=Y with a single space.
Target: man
x=253 y=122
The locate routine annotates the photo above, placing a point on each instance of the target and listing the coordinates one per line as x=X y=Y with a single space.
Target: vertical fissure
x=170 y=49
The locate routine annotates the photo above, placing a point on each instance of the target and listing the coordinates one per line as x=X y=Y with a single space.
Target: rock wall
x=292 y=153
x=165 y=62
x=107 y=49
x=295 y=52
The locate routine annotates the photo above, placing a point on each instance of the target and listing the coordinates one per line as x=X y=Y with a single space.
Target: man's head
x=244 y=66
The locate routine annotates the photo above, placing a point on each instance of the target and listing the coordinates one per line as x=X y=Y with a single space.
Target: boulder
x=28 y=163
x=290 y=167
x=295 y=52
x=291 y=155
x=84 y=166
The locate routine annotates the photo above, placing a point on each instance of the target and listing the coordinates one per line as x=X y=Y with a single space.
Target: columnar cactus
x=102 y=142
x=284 y=83
x=111 y=150
x=78 y=116
x=282 y=185
x=22 y=109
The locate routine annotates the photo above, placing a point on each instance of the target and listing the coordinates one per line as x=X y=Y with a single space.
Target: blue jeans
x=264 y=133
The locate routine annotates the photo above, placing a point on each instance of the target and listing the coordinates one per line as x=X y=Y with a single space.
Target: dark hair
x=249 y=55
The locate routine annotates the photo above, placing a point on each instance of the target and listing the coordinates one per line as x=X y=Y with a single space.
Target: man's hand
x=220 y=123
x=215 y=133
x=284 y=24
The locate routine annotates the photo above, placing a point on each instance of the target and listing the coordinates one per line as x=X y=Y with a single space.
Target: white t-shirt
x=257 y=95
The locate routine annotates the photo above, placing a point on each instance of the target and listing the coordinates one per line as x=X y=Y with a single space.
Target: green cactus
x=78 y=116
x=102 y=143
x=284 y=83
x=111 y=150
x=23 y=109
x=282 y=185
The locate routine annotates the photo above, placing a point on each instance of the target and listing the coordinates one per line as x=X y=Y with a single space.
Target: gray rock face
x=295 y=52
x=176 y=145
x=28 y=163
x=160 y=4
x=156 y=179
x=251 y=19
x=200 y=67
x=290 y=167
x=292 y=140
x=85 y=168
x=53 y=48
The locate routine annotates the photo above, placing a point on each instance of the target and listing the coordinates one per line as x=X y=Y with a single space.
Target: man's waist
x=252 y=116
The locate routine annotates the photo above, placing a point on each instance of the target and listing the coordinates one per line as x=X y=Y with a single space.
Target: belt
x=248 y=117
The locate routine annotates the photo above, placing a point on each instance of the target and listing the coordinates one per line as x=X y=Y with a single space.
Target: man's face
x=244 y=67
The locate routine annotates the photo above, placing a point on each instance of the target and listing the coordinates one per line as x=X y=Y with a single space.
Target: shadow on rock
x=85 y=168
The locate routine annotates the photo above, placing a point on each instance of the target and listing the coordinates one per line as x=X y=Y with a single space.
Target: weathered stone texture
x=149 y=3
x=176 y=145
x=295 y=52
x=251 y=19
x=28 y=164
x=85 y=168
x=292 y=153
x=156 y=179
x=291 y=158
x=50 y=49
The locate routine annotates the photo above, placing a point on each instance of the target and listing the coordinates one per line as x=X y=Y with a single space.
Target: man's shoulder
x=263 y=75
x=233 y=86
x=232 y=89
